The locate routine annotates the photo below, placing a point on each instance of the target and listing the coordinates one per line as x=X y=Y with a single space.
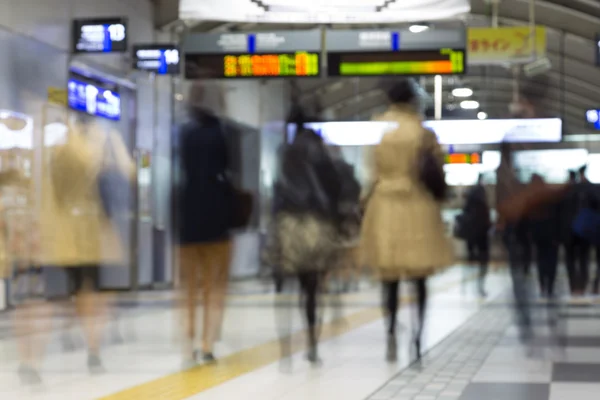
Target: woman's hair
x=399 y=91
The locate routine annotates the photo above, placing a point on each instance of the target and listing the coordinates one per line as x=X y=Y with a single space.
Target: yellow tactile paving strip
x=185 y=384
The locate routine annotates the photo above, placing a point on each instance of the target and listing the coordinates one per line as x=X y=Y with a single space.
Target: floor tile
x=506 y=391
x=576 y=372
x=576 y=391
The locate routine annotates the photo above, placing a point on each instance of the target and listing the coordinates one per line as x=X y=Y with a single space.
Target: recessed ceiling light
x=462 y=92
x=469 y=105
x=482 y=115
x=418 y=28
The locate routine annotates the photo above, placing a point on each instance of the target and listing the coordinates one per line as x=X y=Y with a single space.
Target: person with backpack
x=309 y=222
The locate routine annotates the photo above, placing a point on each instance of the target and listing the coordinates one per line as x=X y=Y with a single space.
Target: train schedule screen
x=407 y=63
x=232 y=66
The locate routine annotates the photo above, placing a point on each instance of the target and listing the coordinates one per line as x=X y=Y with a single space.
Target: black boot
x=392 y=349
x=313 y=354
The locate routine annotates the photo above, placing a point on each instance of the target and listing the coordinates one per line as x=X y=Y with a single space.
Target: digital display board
x=463 y=158
x=162 y=59
x=592 y=118
x=217 y=66
x=252 y=55
x=390 y=53
x=101 y=100
x=428 y=62
x=100 y=35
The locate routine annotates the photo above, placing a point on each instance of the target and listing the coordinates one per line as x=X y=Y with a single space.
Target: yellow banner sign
x=505 y=45
x=57 y=96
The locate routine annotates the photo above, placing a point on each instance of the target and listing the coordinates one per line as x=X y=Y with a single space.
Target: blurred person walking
x=309 y=221
x=205 y=213
x=76 y=233
x=585 y=199
x=544 y=224
x=403 y=232
x=476 y=224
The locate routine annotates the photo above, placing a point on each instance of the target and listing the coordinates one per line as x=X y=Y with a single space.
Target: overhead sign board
x=385 y=52
x=449 y=132
x=505 y=45
x=103 y=35
x=162 y=59
x=94 y=98
x=252 y=55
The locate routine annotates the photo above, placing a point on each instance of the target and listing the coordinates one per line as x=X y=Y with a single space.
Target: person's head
x=582 y=172
x=537 y=178
x=480 y=179
x=400 y=91
x=572 y=176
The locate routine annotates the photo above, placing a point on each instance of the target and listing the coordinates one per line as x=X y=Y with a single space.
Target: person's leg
x=390 y=293
x=483 y=249
x=222 y=263
x=517 y=257
x=92 y=310
x=421 y=287
x=188 y=269
x=542 y=267
x=584 y=248
x=309 y=284
x=552 y=267
x=570 y=259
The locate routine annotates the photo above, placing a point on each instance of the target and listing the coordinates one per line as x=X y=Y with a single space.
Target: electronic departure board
x=386 y=52
x=463 y=158
x=426 y=62
x=234 y=55
x=216 y=66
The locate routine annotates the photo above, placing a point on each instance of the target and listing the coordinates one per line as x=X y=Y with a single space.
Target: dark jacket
x=476 y=213
x=544 y=224
x=205 y=195
x=308 y=181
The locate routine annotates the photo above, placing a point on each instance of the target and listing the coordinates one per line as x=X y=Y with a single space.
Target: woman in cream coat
x=403 y=232
x=75 y=233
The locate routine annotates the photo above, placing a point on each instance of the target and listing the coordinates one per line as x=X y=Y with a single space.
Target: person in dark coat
x=581 y=195
x=205 y=202
x=544 y=228
x=476 y=217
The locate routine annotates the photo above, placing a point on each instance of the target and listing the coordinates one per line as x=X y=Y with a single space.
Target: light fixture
x=469 y=105
x=482 y=115
x=418 y=28
x=462 y=92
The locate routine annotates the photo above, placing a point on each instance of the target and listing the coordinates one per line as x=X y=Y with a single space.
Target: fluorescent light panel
x=469 y=105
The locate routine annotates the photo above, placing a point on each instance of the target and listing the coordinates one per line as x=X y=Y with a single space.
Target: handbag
x=587 y=225
x=243 y=204
x=113 y=186
x=431 y=173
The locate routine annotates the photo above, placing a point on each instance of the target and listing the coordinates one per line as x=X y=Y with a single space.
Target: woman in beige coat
x=403 y=233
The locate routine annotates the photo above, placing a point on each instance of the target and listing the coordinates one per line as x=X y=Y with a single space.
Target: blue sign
x=94 y=100
x=593 y=119
x=160 y=59
x=100 y=35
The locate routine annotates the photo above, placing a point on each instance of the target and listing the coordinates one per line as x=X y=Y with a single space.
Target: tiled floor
x=473 y=351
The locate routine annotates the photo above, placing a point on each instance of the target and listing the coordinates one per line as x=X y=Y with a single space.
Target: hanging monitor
x=100 y=99
x=161 y=59
x=293 y=54
x=392 y=53
x=104 y=35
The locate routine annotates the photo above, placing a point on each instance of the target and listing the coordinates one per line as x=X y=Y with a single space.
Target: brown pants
x=210 y=262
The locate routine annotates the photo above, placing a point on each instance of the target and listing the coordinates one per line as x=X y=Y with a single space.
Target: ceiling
x=571 y=87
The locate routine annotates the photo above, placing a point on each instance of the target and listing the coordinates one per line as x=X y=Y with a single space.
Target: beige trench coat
x=73 y=228
x=403 y=234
